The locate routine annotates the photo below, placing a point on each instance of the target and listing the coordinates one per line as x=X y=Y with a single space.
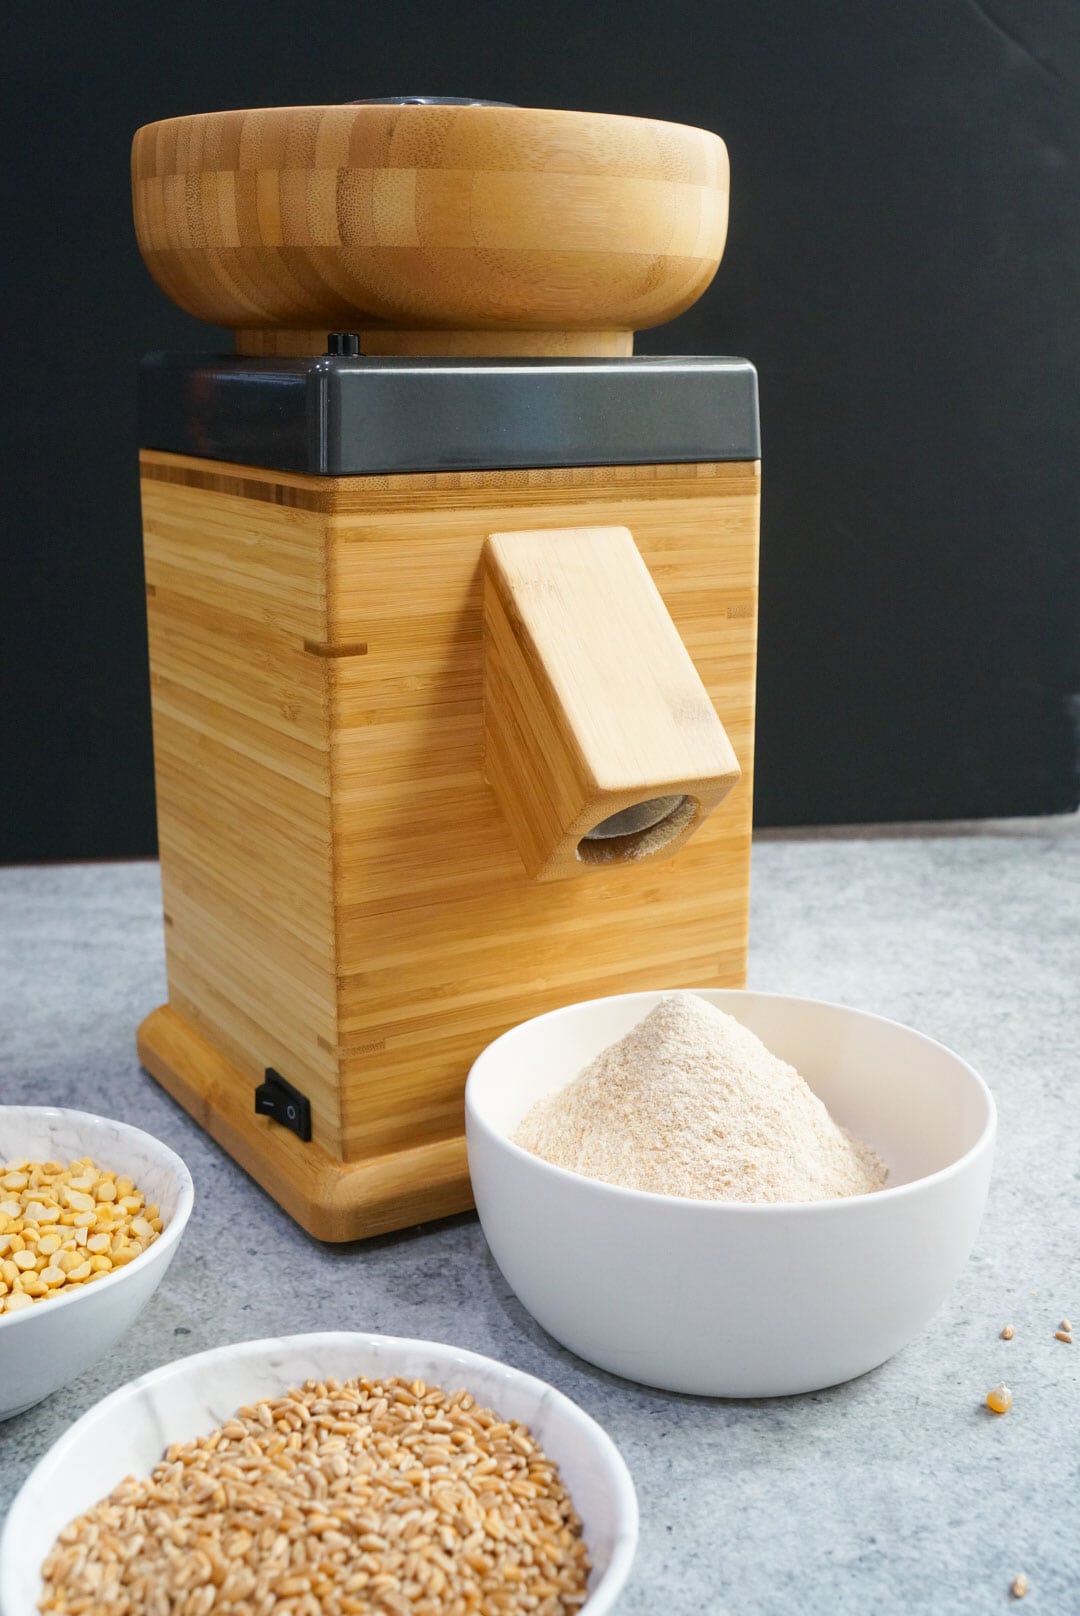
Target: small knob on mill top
x=343 y=344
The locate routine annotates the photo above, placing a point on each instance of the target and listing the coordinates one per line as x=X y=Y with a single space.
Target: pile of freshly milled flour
x=691 y=1103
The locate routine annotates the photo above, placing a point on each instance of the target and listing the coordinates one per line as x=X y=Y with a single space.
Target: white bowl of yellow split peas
x=91 y=1214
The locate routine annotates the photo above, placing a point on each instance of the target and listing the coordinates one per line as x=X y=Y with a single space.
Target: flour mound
x=691 y=1103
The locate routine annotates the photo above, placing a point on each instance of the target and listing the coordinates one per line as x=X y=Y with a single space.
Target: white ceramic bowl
x=722 y=1298
x=44 y=1346
x=126 y=1434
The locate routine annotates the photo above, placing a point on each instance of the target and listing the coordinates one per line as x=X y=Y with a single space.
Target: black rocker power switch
x=278 y=1100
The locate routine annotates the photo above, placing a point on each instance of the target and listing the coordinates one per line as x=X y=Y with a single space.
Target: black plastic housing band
x=341 y=416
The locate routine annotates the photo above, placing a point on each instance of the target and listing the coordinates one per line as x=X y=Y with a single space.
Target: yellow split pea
x=999 y=1398
x=63 y=1226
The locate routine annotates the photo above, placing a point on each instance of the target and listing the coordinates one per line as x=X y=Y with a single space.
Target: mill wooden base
x=332 y=1200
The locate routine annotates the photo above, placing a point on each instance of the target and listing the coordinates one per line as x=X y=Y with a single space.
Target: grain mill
x=452 y=615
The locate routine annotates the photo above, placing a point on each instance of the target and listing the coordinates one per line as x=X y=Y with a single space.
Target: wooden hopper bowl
x=430 y=229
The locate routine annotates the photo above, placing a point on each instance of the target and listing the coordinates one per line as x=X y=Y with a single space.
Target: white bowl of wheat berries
x=728 y=1193
x=325 y=1475
x=91 y=1214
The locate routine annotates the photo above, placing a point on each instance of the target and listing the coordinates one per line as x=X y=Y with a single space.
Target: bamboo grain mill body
x=452 y=616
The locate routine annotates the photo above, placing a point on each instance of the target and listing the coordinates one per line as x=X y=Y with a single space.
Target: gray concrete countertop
x=895 y=1492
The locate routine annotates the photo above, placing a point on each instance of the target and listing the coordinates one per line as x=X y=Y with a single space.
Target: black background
x=902 y=267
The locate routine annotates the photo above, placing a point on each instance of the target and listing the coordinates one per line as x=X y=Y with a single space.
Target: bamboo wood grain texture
x=242 y=763
x=591 y=701
x=430 y=229
x=345 y=899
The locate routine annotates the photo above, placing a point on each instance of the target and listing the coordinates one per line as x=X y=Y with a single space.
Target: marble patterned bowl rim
x=839 y=1207
x=601 y=1599
x=165 y=1242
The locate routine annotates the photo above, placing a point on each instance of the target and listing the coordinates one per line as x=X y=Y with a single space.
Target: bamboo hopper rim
x=377 y=110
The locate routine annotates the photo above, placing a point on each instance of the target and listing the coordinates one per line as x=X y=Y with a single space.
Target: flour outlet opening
x=638 y=831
